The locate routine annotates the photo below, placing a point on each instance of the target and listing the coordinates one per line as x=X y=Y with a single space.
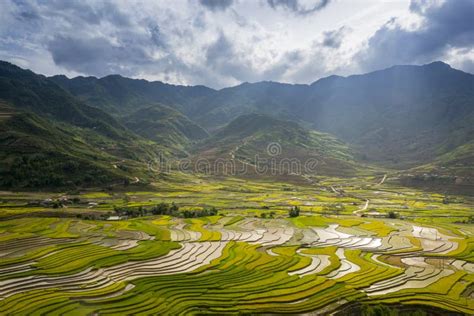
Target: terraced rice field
x=235 y=262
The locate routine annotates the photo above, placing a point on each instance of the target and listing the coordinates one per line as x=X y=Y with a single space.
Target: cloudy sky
x=222 y=43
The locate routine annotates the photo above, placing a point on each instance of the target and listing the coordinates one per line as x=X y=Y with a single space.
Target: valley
x=123 y=196
x=236 y=157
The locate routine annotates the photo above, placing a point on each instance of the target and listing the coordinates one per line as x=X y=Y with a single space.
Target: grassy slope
x=459 y=161
x=401 y=117
x=252 y=134
x=165 y=126
x=38 y=152
x=49 y=138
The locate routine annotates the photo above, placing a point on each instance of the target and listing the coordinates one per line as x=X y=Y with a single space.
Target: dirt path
x=363 y=208
x=336 y=190
x=383 y=179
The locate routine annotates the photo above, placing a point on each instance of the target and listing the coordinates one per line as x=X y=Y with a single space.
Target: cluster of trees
x=163 y=209
x=159 y=209
x=469 y=220
x=294 y=212
x=205 y=212
x=95 y=217
x=269 y=215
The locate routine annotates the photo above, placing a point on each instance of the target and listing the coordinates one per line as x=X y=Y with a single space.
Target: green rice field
x=342 y=251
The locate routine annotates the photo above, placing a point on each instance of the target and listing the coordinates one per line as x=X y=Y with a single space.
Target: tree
x=470 y=220
x=213 y=211
x=187 y=214
x=294 y=211
x=161 y=209
x=126 y=182
x=446 y=200
x=392 y=214
x=141 y=211
x=173 y=208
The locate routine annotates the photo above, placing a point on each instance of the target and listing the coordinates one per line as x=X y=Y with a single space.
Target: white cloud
x=444 y=29
x=207 y=42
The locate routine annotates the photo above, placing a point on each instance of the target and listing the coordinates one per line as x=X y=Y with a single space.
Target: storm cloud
x=443 y=28
x=223 y=43
x=334 y=38
x=298 y=6
x=216 y=5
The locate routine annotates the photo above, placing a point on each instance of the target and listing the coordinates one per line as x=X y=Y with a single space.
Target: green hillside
x=38 y=153
x=165 y=126
x=51 y=139
x=414 y=118
x=256 y=135
x=28 y=91
x=400 y=117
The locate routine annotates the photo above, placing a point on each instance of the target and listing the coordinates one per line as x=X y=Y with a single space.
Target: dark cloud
x=333 y=39
x=216 y=5
x=221 y=48
x=76 y=11
x=97 y=55
x=446 y=26
x=26 y=12
x=100 y=57
x=173 y=42
x=156 y=36
x=296 y=6
x=222 y=57
x=94 y=38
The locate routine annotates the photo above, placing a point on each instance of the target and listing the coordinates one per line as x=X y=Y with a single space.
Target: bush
x=294 y=211
x=471 y=219
x=392 y=214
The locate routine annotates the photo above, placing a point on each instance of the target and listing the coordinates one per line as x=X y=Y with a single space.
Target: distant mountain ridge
x=401 y=116
x=29 y=91
x=405 y=117
x=124 y=95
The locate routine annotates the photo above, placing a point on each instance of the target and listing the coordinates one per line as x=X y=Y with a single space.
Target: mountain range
x=408 y=119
